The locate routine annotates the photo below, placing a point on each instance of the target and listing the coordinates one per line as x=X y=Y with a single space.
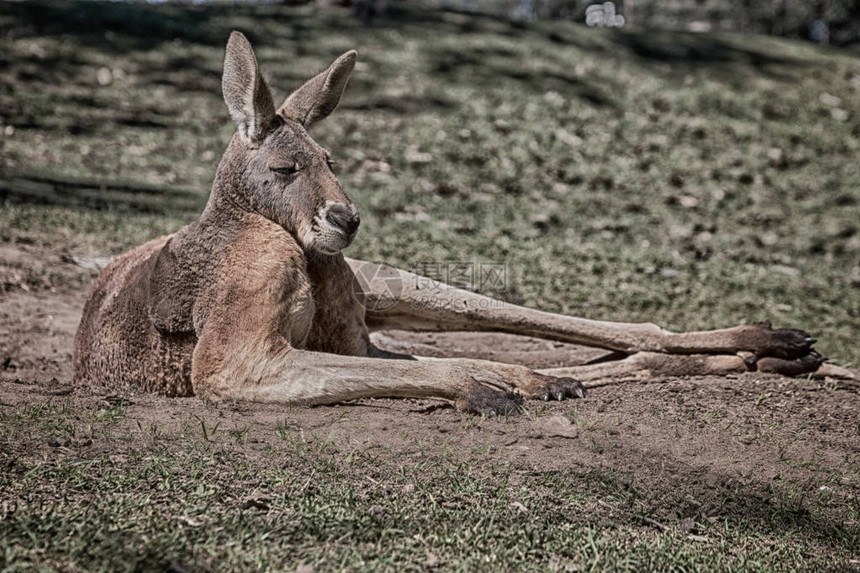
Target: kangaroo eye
x=284 y=170
x=331 y=163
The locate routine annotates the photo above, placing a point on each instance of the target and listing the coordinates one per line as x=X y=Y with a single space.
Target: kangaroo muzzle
x=345 y=218
x=335 y=227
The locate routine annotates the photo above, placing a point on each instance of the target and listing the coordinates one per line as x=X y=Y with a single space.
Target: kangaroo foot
x=794 y=367
x=783 y=343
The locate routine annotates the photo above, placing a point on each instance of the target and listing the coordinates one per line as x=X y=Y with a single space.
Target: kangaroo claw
x=561 y=389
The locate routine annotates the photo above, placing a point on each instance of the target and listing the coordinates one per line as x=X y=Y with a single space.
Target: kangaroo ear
x=321 y=94
x=245 y=91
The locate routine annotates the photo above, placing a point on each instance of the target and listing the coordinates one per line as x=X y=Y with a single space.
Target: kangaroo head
x=272 y=166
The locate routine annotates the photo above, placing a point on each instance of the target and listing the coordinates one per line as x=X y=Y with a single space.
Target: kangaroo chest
x=338 y=323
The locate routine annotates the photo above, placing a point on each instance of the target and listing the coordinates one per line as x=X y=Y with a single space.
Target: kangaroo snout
x=345 y=218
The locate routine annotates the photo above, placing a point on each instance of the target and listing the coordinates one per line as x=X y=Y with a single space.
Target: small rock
x=557 y=426
x=830 y=100
x=688 y=201
x=567 y=138
x=554 y=98
x=502 y=126
x=785 y=270
x=769 y=239
x=839 y=114
x=774 y=156
x=104 y=77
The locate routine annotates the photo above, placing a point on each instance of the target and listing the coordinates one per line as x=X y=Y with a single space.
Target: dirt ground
x=696 y=444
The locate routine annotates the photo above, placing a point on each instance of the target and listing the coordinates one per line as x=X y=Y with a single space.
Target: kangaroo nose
x=343 y=217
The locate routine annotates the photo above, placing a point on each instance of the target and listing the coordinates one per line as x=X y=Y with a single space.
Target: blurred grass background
x=692 y=180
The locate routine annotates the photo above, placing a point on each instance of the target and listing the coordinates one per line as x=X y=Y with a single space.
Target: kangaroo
x=254 y=300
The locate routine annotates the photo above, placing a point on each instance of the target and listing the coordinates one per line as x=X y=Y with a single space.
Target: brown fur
x=254 y=300
x=150 y=308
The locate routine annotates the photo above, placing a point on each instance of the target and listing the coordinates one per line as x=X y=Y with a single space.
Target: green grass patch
x=193 y=496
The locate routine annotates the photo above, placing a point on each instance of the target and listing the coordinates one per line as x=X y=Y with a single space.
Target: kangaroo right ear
x=319 y=95
x=245 y=91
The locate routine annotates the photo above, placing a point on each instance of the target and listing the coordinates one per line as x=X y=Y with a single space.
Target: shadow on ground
x=98 y=195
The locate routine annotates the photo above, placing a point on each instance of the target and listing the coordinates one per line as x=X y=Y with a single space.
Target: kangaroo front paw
x=561 y=389
x=485 y=400
x=783 y=343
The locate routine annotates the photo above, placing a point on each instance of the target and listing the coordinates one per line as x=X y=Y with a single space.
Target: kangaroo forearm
x=320 y=378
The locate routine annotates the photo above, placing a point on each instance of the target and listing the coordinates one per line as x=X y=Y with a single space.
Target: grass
x=195 y=498
x=694 y=181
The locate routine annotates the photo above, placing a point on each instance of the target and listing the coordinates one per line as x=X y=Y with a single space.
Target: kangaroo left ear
x=245 y=91
x=318 y=97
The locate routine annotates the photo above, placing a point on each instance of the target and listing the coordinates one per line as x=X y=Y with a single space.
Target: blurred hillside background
x=835 y=22
x=651 y=173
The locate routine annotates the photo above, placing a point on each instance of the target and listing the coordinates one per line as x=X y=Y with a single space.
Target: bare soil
x=697 y=445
